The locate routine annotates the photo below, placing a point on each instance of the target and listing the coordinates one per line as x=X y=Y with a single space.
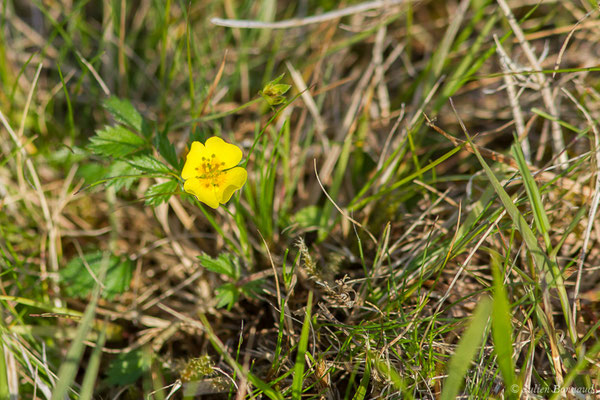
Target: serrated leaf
x=160 y=193
x=167 y=150
x=148 y=163
x=124 y=112
x=127 y=368
x=121 y=173
x=115 y=141
x=227 y=295
x=78 y=282
x=220 y=265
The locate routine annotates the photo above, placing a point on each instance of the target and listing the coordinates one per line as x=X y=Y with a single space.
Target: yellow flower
x=211 y=173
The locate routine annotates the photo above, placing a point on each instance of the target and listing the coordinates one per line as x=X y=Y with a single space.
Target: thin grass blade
x=68 y=369
x=93 y=366
x=502 y=328
x=467 y=347
x=302 y=346
x=549 y=269
x=539 y=213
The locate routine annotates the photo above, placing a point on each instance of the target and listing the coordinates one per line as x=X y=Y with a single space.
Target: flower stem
x=211 y=117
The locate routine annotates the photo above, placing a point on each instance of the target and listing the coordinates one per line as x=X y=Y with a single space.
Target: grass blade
x=364 y=382
x=239 y=370
x=539 y=213
x=302 y=346
x=549 y=269
x=393 y=376
x=93 y=365
x=68 y=369
x=502 y=328
x=467 y=347
x=4 y=391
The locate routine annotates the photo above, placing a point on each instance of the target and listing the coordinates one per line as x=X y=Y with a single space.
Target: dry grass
x=363 y=192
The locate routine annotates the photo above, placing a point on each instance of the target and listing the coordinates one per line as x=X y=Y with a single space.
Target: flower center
x=210 y=171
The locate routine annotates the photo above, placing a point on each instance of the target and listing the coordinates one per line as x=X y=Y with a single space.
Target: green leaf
x=251 y=288
x=116 y=141
x=227 y=295
x=121 y=173
x=308 y=217
x=67 y=155
x=390 y=373
x=78 y=282
x=127 y=368
x=92 y=172
x=467 y=347
x=148 y=163
x=224 y=264
x=167 y=150
x=160 y=193
x=125 y=113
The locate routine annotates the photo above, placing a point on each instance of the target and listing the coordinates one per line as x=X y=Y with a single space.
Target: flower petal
x=198 y=188
x=234 y=179
x=193 y=160
x=227 y=153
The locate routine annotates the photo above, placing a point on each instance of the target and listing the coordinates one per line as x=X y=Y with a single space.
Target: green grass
x=367 y=256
